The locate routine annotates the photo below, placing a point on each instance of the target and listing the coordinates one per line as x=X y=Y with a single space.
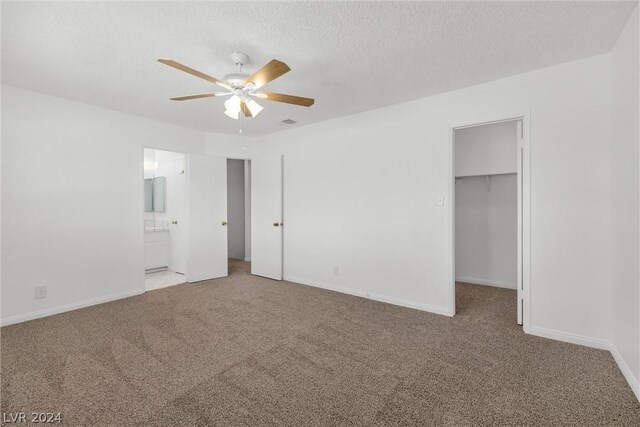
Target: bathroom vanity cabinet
x=157 y=248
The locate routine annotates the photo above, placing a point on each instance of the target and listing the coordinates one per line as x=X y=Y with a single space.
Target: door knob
x=276 y=224
x=224 y=222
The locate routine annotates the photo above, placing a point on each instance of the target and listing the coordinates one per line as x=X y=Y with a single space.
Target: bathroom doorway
x=239 y=214
x=165 y=218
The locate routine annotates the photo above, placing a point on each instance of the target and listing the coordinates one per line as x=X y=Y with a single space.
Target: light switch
x=440 y=201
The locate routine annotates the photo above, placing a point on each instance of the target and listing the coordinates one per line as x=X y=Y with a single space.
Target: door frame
x=141 y=206
x=524 y=174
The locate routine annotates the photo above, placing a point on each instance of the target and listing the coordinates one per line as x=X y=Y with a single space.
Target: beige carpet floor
x=250 y=351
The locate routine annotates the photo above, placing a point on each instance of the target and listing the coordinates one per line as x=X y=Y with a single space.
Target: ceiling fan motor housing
x=235 y=79
x=240 y=58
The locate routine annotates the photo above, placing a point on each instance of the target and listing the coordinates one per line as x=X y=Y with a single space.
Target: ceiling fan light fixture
x=232 y=106
x=254 y=107
x=233 y=103
x=232 y=114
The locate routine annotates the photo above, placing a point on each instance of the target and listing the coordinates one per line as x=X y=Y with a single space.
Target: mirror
x=159 y=185
x=154 y=194
x=148 y=195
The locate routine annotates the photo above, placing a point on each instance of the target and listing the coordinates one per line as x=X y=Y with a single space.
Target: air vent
x=289 y=122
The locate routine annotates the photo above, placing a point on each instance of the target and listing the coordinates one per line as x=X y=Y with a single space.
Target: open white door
x=520 y=281
x=207 y=217
x=266 y=216
x=178 y=188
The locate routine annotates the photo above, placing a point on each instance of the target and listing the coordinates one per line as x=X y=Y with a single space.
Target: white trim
x=594 y=343
x=486 y=282
x=626 y=371
x=372 y=296
x=68 y=307
x=520 y=213
x=570 y=338
x=247 y=259
x=451 y=224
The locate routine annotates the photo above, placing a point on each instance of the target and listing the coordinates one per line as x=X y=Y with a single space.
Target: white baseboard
x=248 y=259
x=594 y=343
x=626 y=371
x=495 y=283
x=570 y=338
x=372 y=296
x=67 y=307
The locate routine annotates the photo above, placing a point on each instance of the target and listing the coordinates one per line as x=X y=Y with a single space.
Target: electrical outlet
x=336 y=270
x=40 y=292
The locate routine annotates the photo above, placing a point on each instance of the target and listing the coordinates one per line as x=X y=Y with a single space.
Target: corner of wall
x=625 y=202
x=626 y=370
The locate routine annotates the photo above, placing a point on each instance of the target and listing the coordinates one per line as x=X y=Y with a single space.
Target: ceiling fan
x=243 y=87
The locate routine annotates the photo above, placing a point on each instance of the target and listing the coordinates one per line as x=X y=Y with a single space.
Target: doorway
x=239 y=214
x=489 y=201
x=165 y=210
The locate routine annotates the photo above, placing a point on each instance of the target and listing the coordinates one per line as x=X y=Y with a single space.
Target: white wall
x=488 y=149
x=72 y=200
x=360 y=193
x=487 y=229
x=625 y=189
x=235 y=209
x=232 y=146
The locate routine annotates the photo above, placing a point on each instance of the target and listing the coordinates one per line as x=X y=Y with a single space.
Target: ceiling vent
x=289 y=122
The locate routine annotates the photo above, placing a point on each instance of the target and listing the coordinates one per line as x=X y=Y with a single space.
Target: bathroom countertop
x=155 y=229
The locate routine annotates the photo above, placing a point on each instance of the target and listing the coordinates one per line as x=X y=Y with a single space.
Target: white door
x=207 y=217
x=266 y=216
x=520 y=281
x=177 y=188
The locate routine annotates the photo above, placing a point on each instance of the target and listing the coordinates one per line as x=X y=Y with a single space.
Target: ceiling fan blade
x=202 y=95
x=245 y=109
x=269 y=72
x=289 y=99
x=181 y=67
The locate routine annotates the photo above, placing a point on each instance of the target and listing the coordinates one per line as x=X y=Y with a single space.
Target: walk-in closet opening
x=238 y=212
x=487 y=211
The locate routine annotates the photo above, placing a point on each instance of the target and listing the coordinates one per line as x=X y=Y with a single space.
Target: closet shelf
x=485 y=174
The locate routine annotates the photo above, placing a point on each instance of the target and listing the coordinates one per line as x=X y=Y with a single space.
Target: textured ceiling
x=349 y=56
